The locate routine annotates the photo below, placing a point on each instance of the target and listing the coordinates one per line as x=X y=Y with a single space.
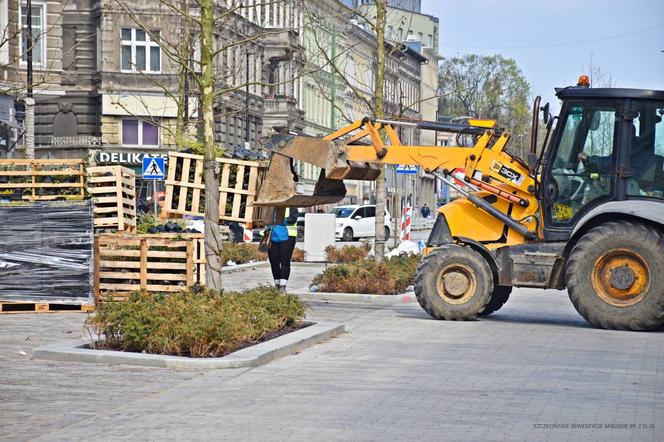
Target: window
x=370 y=212
x=361 y=212
x=646 y=158
x=4 y=29
x=139 y=52
x=584 y=163
x=139 y=133
x=38 y=33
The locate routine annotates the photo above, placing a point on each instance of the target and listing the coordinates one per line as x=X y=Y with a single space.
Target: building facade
x=106 y=73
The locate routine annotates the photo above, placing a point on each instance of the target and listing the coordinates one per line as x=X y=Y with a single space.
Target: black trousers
x=280 y=256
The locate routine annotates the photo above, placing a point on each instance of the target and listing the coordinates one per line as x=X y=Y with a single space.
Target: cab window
x=646 y=158
x=583 y=164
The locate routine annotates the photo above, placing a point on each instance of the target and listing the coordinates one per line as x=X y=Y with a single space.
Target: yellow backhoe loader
x=586 y=213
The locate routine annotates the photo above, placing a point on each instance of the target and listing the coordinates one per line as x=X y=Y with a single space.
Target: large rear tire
x=453 y=282
x=499 y=297
x=615 y=276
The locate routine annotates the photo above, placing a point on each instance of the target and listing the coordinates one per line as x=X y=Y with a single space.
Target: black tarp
x=46 y=251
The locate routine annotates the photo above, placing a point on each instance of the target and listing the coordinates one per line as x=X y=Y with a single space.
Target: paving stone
x=529 y=372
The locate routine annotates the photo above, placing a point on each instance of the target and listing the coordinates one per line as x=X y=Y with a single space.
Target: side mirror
x=546 y=115
x=531 y=159
x=357 y=218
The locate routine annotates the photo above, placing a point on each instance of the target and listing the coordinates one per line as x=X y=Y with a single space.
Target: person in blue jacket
x=284 y=236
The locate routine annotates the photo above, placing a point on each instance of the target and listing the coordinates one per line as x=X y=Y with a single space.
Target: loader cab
x=608 y=146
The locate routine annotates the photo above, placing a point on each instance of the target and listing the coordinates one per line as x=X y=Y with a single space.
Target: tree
x=379 y=112
x=204 y=49
x=490 y=87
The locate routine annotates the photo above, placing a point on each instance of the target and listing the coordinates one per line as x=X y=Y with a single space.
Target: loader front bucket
x=328 y=155
x=280 y=188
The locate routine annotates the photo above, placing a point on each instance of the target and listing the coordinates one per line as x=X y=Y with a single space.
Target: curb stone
x=259 y=354
x=403 y=298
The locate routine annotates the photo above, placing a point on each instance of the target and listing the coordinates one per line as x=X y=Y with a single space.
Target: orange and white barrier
x=406 y=218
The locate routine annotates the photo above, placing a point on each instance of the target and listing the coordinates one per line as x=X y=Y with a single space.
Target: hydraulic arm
x=353 y=152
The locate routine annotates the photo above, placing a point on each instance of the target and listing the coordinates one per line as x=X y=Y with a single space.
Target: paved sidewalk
x=533 y=368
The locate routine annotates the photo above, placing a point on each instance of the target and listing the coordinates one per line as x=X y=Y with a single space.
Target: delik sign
x=128 y=158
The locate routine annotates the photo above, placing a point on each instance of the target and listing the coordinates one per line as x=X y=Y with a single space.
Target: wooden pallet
x=113 y=190
x=159 y=263
x=41 y=180
x=239 y=185
x=43 y=307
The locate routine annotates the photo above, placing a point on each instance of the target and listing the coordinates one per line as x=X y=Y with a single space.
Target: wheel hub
x=621 y=277
x=456 y=284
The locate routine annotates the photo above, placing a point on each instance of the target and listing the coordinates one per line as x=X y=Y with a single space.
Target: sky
x=553 y=42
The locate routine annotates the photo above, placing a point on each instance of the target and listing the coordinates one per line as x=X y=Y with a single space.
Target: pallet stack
x=238 y=188
x=42 y=180
x=155 y=263
x=113 y=191
x=46 y=256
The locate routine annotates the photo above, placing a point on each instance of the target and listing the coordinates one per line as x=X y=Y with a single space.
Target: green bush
x=367 y=276
x=241 y=253
x=194 y=323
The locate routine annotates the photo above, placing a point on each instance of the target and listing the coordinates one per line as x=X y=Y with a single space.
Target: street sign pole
x=153 y=169
x=154 y=197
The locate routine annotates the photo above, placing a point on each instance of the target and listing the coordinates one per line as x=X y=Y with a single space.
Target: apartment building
x=106 y=80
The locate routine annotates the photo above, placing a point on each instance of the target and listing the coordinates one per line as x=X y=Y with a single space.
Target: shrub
x=196 y=323
x=367 y=276
x=241 y=253
x=347 y=253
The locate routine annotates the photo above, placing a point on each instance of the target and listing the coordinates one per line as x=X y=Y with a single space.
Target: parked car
x=357 y=222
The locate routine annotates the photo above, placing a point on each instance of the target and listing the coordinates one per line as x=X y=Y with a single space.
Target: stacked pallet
x=238 y=188
x=113 y=190
x=41 y=180
x=156 y=263
x=46 y=256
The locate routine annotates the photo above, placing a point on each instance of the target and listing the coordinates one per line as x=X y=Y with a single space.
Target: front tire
x=454 y=282
x=347 y=235
x=615 y=276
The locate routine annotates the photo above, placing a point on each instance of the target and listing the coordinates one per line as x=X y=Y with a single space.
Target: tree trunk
x=211 y=176
x=379 y=83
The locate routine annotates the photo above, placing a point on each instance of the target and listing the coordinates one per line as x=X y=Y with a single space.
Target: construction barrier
x=406 y=219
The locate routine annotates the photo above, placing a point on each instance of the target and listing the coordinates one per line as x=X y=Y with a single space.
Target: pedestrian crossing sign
x=153 y=168
x=406 y=169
